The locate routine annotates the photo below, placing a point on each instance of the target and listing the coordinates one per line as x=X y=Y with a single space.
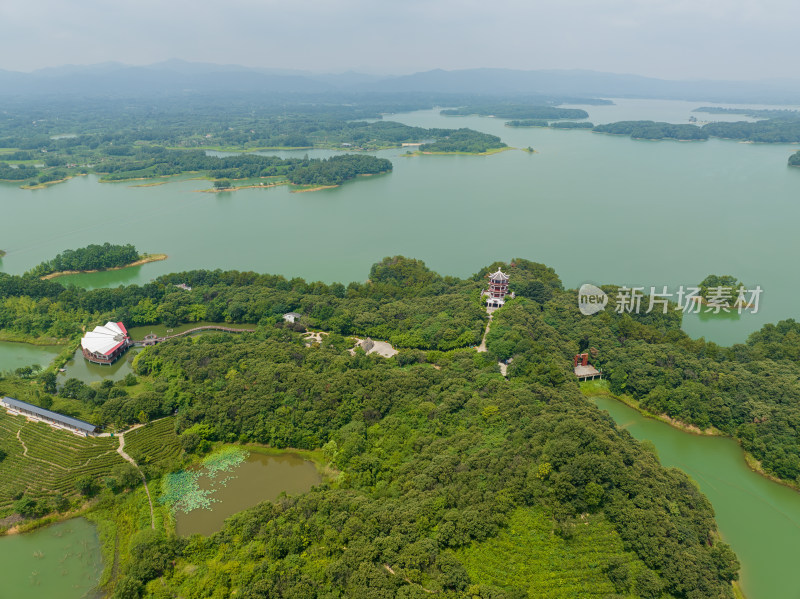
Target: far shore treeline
x=52 y=141
x=44 y=142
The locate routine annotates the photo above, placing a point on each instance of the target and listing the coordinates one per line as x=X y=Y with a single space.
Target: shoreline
x=489 y=152
x=237 y=188
x=45 y=184
x=317 y=188
x=13 y=337
x=750 y=460
x=145 y=260
x=297 y=188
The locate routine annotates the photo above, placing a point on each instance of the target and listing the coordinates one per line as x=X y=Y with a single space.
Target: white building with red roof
x=104 y=344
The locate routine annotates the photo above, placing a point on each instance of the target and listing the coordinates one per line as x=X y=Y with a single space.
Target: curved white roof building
x=104 y=344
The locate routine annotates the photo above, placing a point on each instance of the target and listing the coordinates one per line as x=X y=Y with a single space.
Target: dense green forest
x=648 y=357
x=517 y=111
x=779 y=130
x=432 y=461
x=794 y=159
x=435 y=447
x=337 y=169
x=748 y=391
x=440 y=457
x=91 y=257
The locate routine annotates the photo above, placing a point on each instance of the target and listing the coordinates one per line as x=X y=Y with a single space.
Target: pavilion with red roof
x=104 y=344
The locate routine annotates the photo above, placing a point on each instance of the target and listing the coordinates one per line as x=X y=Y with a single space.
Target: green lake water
x=59 y=562
x=16 y=355
x=597 y=208
x=259 y=478
x=760 y=519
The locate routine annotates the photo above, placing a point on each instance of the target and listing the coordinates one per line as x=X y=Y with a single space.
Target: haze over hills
x=177 y=76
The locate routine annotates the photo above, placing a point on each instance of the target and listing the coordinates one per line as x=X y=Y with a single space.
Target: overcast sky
x=715 y=39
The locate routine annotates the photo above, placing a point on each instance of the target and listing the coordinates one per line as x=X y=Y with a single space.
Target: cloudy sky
x=715 y=39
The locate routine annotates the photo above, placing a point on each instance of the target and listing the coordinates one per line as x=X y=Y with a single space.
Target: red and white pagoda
x=498 y=289
x=105 y=344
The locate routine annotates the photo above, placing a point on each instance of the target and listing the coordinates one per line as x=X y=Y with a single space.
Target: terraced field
x=154 y=444
x=41 y=460
x=528 y=555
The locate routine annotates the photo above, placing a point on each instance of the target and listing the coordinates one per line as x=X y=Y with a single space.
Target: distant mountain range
x=181 y=77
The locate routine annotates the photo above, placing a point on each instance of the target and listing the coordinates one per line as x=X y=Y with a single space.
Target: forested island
x=464 y=141
x=438 y=459
x=91 y=258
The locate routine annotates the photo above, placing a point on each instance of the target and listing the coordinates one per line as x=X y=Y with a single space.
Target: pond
x=16 y=355
x=60 y=561
x=258 y=478
x=760 y=519
x=80 y=368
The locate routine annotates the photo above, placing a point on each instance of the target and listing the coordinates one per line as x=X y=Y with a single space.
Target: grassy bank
x=45 y=184
x=145 y=259
x=18 y=337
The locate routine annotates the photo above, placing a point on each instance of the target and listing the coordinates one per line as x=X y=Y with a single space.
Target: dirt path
x=391 y=571
x=125 y=456
x=482 y=346
x=25 y=454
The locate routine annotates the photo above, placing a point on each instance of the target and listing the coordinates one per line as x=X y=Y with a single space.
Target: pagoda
x=498 y=289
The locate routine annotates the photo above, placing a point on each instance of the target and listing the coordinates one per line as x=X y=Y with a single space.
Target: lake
x=597 y=208
x=259 y=478
x=62 y=560
x=760 y=519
